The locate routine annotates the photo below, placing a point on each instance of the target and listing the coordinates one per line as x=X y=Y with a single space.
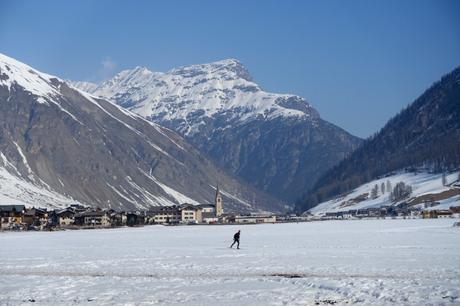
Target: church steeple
x=218 y=202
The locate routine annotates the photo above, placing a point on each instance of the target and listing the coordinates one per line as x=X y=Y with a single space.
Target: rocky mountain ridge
x=277 y=142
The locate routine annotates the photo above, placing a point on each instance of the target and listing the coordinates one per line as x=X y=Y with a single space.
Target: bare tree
x=375 y=192
x=382 y=187
x=444 y=179
x=388 y=186
x=400 y=192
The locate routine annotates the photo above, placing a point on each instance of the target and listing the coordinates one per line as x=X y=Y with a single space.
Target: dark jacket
x=236 y=236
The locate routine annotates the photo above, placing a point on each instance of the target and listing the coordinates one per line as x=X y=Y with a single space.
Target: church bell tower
x=218 y=203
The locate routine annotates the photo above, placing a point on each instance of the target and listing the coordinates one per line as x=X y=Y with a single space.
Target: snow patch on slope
x=179 y=197
x=24 y=161
x=14 y=190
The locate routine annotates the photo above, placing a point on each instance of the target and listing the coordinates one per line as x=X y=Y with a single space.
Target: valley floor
x=384 y=262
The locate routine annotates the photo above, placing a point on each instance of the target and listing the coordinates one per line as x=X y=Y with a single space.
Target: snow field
x=382 y=262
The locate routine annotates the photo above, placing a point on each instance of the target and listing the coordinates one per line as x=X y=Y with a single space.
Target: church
x=212 y=213
x=218 y=203
x=189 y=213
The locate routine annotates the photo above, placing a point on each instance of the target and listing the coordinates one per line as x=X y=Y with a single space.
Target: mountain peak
x=230 y=68
x=136 y=72
x=191 y=95
x=141 y=70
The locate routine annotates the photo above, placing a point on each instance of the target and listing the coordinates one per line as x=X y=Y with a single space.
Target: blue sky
x=357 y=62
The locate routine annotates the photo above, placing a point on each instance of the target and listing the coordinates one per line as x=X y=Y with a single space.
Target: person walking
x=236 y=239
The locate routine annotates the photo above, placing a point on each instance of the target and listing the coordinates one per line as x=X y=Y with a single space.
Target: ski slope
x=363 y=262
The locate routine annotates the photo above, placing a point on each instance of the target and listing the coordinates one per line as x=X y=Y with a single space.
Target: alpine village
x=77 y=216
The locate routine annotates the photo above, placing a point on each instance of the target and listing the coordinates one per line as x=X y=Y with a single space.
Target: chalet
x=118 y=218
x=427 y=214
x=65 y=217
x=11 y=216
x=92 y=218
x=36 y=217
x=444 y=213
x=437 y=214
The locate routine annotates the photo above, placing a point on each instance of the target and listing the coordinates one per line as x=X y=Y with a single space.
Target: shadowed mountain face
x=59 y=145
x=277 y=142
x=426 y=134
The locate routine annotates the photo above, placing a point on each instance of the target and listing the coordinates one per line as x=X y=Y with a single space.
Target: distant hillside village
x=76 y=216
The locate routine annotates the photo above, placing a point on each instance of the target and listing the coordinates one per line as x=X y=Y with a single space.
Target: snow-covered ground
x=385 y=262
x=422 y=183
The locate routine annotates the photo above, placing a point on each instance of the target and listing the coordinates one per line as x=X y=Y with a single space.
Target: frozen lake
x=412 y=262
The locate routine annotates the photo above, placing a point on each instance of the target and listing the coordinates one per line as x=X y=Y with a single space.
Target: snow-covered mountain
x=60 y=145
x=189 y=96
x=278 y=142
x=425 y=187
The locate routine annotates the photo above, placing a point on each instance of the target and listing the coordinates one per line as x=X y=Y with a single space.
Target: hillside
x=424 y=135
x=425 y=187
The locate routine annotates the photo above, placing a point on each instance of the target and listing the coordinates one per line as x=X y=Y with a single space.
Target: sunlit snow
x=378 y=262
